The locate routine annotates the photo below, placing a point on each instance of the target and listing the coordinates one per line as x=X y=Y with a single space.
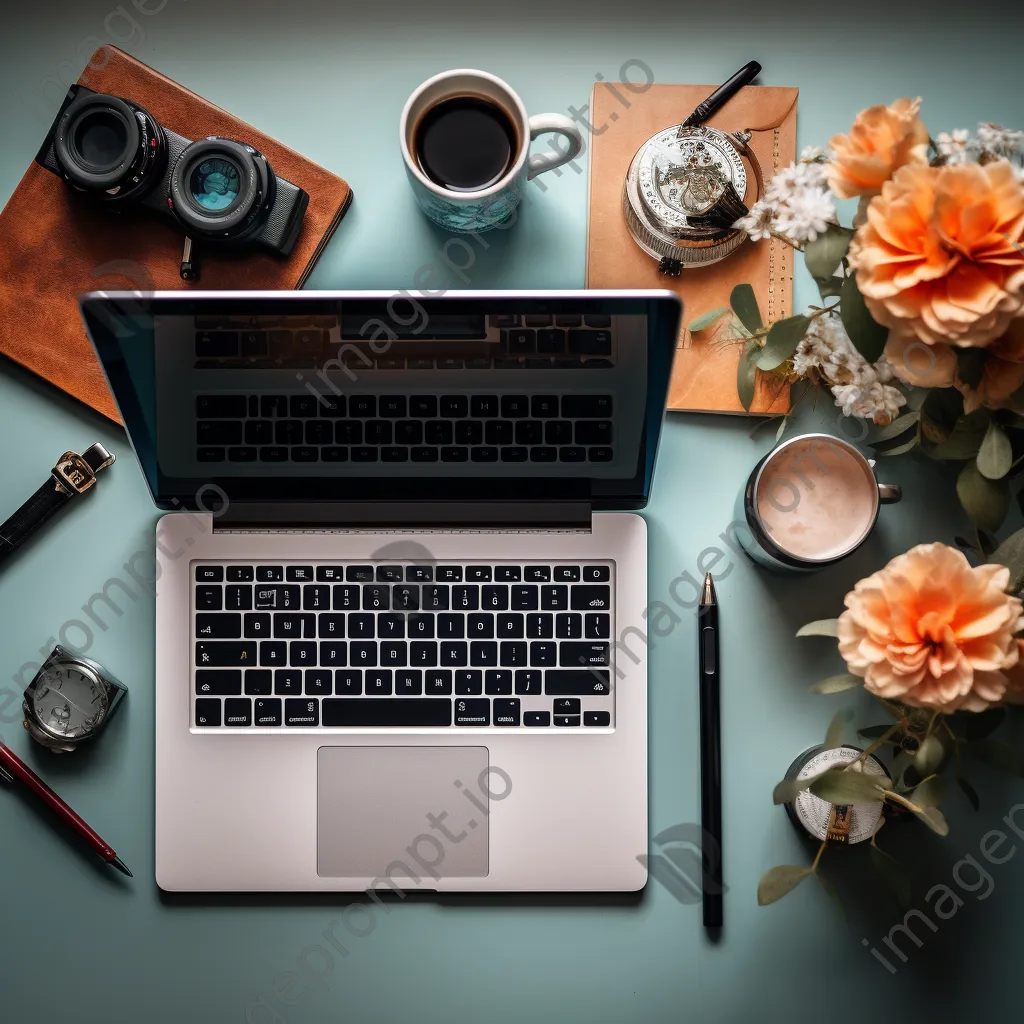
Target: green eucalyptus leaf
x=998 y=754
x=836 y=684
x=835 y=731
x=929 y=755
x=786 y=791
x=838 y=786
x=782 y=341
x=897 y=428
x=901 y=449
x=970 y=792
x=746 y=374
x=744 y=305
x=893 y=873
x=941 y=410
x=995 y=456
x=830 y=287
x=820 y=627
x=1011 y=554
x=823 y=256
x=964 y=438
x=782 y=429
x=708 y=319
x=872 y=732
x=779 y=881
x=985 y=501
x=934 y=819
x=868 y=337
x=928 y=793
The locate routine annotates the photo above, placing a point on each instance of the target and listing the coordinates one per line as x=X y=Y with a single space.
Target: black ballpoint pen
x=710 y=753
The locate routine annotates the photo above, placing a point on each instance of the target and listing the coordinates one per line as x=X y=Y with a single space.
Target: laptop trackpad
x=380 y=805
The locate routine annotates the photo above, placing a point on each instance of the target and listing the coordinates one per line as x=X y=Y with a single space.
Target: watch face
x=69 y=701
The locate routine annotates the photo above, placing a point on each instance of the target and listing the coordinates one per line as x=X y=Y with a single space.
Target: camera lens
x=215 y=184
x=222 y=189
x=109 y=147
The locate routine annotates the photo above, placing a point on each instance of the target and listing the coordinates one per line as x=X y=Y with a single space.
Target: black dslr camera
x=219 y=190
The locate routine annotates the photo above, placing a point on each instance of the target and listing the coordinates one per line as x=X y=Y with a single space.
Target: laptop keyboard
x=397 y=428
x=345 y=645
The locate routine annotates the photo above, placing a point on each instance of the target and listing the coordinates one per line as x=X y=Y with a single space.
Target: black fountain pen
x=710 y=754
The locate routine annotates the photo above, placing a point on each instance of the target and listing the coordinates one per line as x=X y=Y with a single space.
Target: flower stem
x=868 y=751
x=821 y=850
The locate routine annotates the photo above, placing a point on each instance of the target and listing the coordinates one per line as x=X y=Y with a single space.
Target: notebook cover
x=704 y=374
x=56 y=245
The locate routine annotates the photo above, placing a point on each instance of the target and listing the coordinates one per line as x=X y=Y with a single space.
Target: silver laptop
x=400 y=582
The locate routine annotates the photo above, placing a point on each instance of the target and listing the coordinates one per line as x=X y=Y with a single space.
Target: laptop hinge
x=380 y=515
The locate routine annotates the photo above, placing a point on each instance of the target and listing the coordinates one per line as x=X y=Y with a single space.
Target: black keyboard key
x=576 y=407
x=224 y=682
x=269 y=574
x=509 y=627
x=316 y=597
x=469 y=682
x=499 y=432
x=359 y=574
x=587 y=654
x=591 y=598
x=319 y=432
x=558 y=432
x=537 y=574
x=590 y=343
x=242 y=455
x=506 y=712
x=273 y=653
x=257 y=625
x=219 y=627
x=528 y=682
x=507 y=574
x=288 y=432
x=333 y=653
x=529 y=432
x=454 y=653
x=302 y=712
x=498 y=681
x=473 y=712
x=483 y=406
x=259 y=432
x=394 y=712
x=597 y=626
x=596 y=574
x=544 y=454
x=566 y=706
x=363 y=406
x=305 y=454
x=267 y=712
x=209 y=598
x=302 y=405
x=209 y=574
x=273 y=406
x=544 y=406
x=394 y=653
x=438 y=682
x=480 y=627
x=216 y=344
x=391 y=626
x=423 y=406
x=597 y=718
x=563 y=682
x=484 y=454
x=348 y=682
x=536 y=718
x=392 y=406
x=238 y=712
x=275 y=454
x=551 y=340
x=515 y=406
x=524 y=598
x=540 y=626
x=483 y=653
x=363 y=625
x=259 y=682
x=376 y=597
x=423 y=454
x=406 y=597
x=572 y=454
x=439 y=432
x=513 y=653
x=566 y=574
x=543 y=654
x=465 y=599
x=451 y=627
x=319 y=682
x=345 y=598
x=519 y=341
x=569 y=626
x=362 y=653
x=554 y=598
x=348 y=432
x=378 y=682
x=288 y=682
x=408 y=683
x=594 y=432
x=208 y=712
x=599 y=454
x=329 y=574
x=215 y=654
x=454 y=454
x=332 y=406
x=231 y=407
x=302 y=653
x=569 y=721
x=281 y=598
x=454 y=406
x=409 y=432
x=435 y=598
x=421 y=626
x=378 y=432
x=240 y=574
x=469 y=432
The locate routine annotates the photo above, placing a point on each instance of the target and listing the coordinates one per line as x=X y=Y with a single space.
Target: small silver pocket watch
x=687 y=185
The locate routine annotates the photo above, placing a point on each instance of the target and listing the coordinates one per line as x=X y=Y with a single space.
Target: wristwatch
x=70 y=700
x=73 y=475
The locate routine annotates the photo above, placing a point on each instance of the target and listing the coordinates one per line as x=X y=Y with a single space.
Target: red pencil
x=12 y=767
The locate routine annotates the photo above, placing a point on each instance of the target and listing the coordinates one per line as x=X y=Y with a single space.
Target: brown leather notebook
x=704 y=374
x=55 y=245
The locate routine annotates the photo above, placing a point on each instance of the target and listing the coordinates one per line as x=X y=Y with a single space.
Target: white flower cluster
x=860 y=388
x=796 y=203
x=960 y=146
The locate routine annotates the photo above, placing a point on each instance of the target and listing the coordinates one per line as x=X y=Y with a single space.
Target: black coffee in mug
x=466 y=143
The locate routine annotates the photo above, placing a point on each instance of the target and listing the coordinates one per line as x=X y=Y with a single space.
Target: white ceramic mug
x=486 y=207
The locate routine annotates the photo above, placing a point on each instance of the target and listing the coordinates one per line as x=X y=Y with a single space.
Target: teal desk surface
x=81 y=944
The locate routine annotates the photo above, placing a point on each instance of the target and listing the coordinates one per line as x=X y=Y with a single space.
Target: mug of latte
x=810 y=502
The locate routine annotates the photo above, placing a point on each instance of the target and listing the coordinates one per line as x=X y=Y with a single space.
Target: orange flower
x=930 y=631
x=882 y=140
x=924 y=366
x=936 y=258
x=1003 y=373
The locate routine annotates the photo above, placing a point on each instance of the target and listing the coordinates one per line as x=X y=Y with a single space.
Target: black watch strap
x=73 y=475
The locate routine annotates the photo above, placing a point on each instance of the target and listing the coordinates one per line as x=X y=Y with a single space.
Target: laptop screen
x=321 y=396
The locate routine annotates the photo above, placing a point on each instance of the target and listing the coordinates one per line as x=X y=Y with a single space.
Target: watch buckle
x=78 y=472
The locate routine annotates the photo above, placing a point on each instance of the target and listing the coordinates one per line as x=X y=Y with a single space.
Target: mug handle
x=889 y=494
x=541 y=124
